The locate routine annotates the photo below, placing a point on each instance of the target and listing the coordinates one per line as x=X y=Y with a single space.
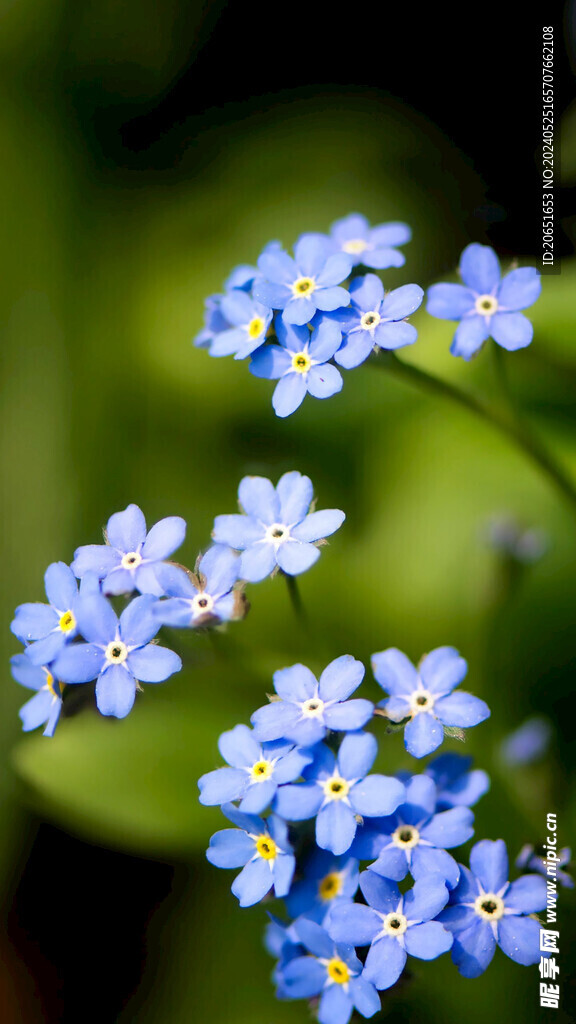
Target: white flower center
x=406 y=837
x=202 y=604
x=277 y=533
x=355 y=246
x=486 y=305
x=131 y=560
x=116 y=652
x=489 y=907
x=421 y=700
x=370 y=320
x=395 y=924
x=312 y=708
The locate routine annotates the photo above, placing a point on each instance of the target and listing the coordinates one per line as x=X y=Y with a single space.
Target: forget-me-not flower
x=45 y=707
x=457 y=784
x=307 y=708
x=304 y=284
x=375 y=320
x=214 y=322
x=203 y=597
x=249 y=321
x=301 y=363
x=374 y=247
x=276 y=529
x=261 y=848
x=338 y=789
x=424 y=695
x=485 y=305
x=129 y=559
x=487 y=910
x=326 y=881
x=47 y=628
x=528 y=860
x=256 y=770
x=394 y=926
x=118 y=652
x=331 y=971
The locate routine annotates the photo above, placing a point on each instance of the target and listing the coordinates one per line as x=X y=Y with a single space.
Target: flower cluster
x=77 y=637
x=308 y=759
x=294 y=315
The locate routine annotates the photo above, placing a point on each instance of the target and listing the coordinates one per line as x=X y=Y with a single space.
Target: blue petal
x=61 y=586
x=42 y=652
x=470 y=335
x=427 y=860
x=423 y=734
x=270 y=293
x=380 y=259
x=115 y=691
x=303 y=977
x=253 y=882
x=230 y=848
x=36 y=711
x=384 y=963
x=349 y=715
x=257 y=562
x=527 y=895
x=336 y=269
x=283 y=873
x=335 y=827
x=335 y=1005
x=343 y=675
x=315 y=938
x=257 y=796
x=275 y=720
x=296 y=683
x=164 y=538
x=420 y=800
x=239 y=747
x=237 y=531
x=489 y=862
x=427 y=941
x=520 y=288
x=355 y=349
x=473 y=949
x=395 y=335
x=391 y=863
x=257 y=497
x=152 y=664
x=96 y=618
x=33 y=621
x=310 y=254
x=318 y=525
x=393 y=233
x=479 y=268
x=220 y=568
x=289 y=394
x=299 y=311
x=365 y=997
x=449 y=301
x=376 y=795
x=126 y=530
x=329 y=299
x=395 y=672
x=401 y=302
x=426 y=899
x=222 y=785
x=461 y=710
x=324 y=380
x=325 y=341
x=380 y=893
x=357 y=755
x=442 y=670
x=295 y=492
x=277 y=266
x=98 y=558
x=120 y=581
x=294 y=557
x=291 y=337
x=138 y=624
x=450 y=828
x=79 y=663
x=519 y=938
x=367 y=293
x=511 y=330
x=33 y=677
x=299 y=802
x=270 y=362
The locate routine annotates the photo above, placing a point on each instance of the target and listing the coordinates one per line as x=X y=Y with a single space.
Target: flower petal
x=395 y=672
x=450 y=828
x=335 y=827
x=353 y=924
x=237 y=531
x=489 y=862
x=295 y=493
x=79 y=663
x=349 y=715
x=324 y=380
x=256 y=563
x=442 y=669
x=423 y=734
x=377 y=795
x=384 y=963
x=527 y=895
x=126 y=530
x=152 y=664
x=318 y=525
x=61 y=586
x=479 y=268
x=511 y=330
x=520 y=288
x=357 y=755
x=294 y=557
x=449 y=301
x=253 y=882
x=289 y=394
x=222 y=785
x=230 y=848
x=470 y=335
x=427 y=941
x=473 y=949
x=257 y=497
x=115 y=691
x=164 y=538
x=401 y=302
x=519 y=938
x=138 y=623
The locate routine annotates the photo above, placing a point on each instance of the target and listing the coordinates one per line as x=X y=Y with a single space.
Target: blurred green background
x=104 y=402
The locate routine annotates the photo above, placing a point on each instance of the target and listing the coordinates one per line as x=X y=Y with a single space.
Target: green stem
x=296 y=600
x=513 y=428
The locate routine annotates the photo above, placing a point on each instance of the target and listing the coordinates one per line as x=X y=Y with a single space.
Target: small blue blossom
x=485 y=305
x=305 y=708
x=304 y=284
x=276 y=529
x=214 y=322
x=373 y=247
x=47 y=628
x=416 y=840
x=528 y=743
x=45 y=707
x=118 y=652
x=256 y=770
x=204 y=597
x=261 y=848
x=456 y=784
x=241 y=277
x=301 y=363
x=487 y=910
x=425 y=696
x=129 y=559
x=327 y=880
x=337 y=790
x=528 y=860
x=249 y=321
x=331 y=971
x=394 y=926
x=375 y=320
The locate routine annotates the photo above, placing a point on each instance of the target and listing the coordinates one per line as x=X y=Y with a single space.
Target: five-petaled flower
x=375 y=320
x=304 y=284
x=249 y=321
x=301 y=363
x=47 y=628
x=327 y=880
x=261 y=848
x=202 y=598
x=374 y=247
x=487 y=910
x=425 y=696
x=485 y=305
x=276 y=528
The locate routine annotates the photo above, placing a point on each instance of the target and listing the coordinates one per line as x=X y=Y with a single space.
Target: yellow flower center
x=116 y=652
x=489 y=906
x=202 y=604
x=255 y=327
x=486 y=305
x=131 y=560
x=67 y=622
x=303 y=286
x=336 y=788
x=338 y=971
x=406 y=837
x=301 y=362
x=330 y=886
x=266 y=847
x=261 y=770
x=355 y=246
x=370 y=320
x=421 y=700
x=395 y=924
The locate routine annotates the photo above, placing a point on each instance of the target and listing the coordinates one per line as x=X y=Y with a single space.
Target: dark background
x=85 y=919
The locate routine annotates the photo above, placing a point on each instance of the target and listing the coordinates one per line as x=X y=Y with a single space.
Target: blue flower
x=415 y=839
x=456 y=785
x=301 y=363
x=256 y=770
x=486 y=910
x=276 y=529
x=44 y=708
x=337 y=790
x=304 y=284
x=374 y=247
x=327 y=880
x=119 y=653
x=306 y=708
x=528 y=743
x=129 y=559
x=333 y=972
x=425 y=696
x=528 y=860
x=47 y=628
x=214 y=322
x=485 y=305
x=261 y=848
x=241 y=277
x=204 y=597
x=376 y=320
x=249 y=321
x=394 y=926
